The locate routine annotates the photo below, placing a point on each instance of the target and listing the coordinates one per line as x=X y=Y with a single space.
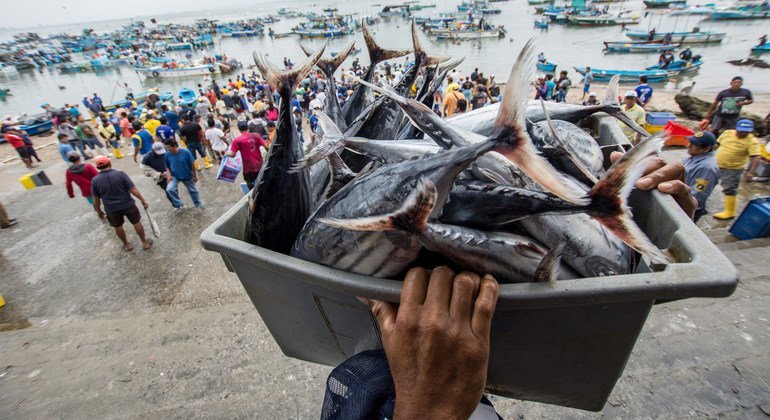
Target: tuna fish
x=281 y=201
x=328 y=67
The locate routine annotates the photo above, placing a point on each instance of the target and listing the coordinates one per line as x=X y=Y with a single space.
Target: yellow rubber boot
x=196 y=165
x=118 y=153
x=207 y=162
x=731 y=202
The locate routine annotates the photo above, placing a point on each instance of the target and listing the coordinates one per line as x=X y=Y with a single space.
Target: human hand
x=146 y=206
x=101 y=214
x=195 y=178
x=748 y=176
x=437 y=342
x=668 y=178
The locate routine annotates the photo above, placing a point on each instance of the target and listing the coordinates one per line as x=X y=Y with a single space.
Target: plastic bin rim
x=717 y=278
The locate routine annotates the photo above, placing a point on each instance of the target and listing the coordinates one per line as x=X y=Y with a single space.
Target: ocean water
x=565 y=45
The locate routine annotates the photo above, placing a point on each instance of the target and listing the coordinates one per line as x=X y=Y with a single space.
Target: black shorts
x=132 y=213
x=250 y=176
x=23 y=152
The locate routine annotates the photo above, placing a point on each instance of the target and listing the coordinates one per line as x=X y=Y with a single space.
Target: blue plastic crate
x=754 y=221
x=659 y=118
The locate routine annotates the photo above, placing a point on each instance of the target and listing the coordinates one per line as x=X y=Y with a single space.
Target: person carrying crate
x=735 y=149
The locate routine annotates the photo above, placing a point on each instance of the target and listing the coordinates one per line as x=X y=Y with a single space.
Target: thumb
x=384 y=313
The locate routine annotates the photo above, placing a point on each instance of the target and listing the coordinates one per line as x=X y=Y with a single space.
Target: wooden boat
x=601 y=20
x=6 y=70
x=663 y=4
x=139 y=97
x=639 y=47
x=4 y=92
x=680 y=66
x=536 y=2
x=540 y=24
x=160 y=72
x=241 y=33
x=759 y=49
x=680 y=37
x=497 y=32
x=179 y=46
x=323 y=33
x=546 y=67
x=187 y=96
x=37 y=129
x=740 y=14
x=395 y=10
x=604 y=75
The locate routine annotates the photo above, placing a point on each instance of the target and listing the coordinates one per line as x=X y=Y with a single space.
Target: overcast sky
x=32 y=13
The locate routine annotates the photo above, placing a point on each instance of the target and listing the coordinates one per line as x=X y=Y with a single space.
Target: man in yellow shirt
x=152 y=123
x=451 y=85
x=735 y=149
x=636 y=113
x=450 y=101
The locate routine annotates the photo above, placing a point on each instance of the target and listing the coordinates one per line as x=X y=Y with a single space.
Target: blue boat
x=546 y=67
x=639 y=47
x=759 y=49
x=683 y=37
x=187 y=97
x=679 y=66
x=541 y=24
x=39 y=128
x=604 y=75
x=663 y=4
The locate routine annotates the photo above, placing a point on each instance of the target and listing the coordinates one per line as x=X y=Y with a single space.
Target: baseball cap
x=200 y=99
x=744 y=125
x=630 y=94
x=590 y=94
x=73 y=156
x=158 y=148
x=102 y=162
x=703 y=139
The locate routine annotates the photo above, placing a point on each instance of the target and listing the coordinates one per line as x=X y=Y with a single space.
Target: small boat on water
x=741 y=13
x=187 y=96
x=759 y=49
x=240 y=33
x=639 y=46
x=679 y=66
x=161 y=72
x=38 y=128
x=664 y=4
x=536 y=2
x=7 y=70
x=139 y=97
x=4 y=92
x=601 y=20
x=396 y=10
x=541 y=24
x=546 y=67
x=680 y=37
x=179 y=46
x=498 y=32
x=604 y=75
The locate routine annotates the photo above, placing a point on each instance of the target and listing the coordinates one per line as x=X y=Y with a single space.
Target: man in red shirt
x=11 y=135
x=248 y=144
x=81 y=174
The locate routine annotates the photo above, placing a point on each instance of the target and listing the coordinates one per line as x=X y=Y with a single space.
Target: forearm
x=754 y=163
x=135 y=192
x=710 y=112
x=98 y=204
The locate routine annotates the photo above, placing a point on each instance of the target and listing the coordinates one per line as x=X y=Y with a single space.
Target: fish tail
x=420 y=53
x=510 y=134
x=278 y=79
x=609 y=195
x=330 y=65
x=548 y=269
x=331 y=140
x=613 y=89
x=411 y=217
x=378 y=54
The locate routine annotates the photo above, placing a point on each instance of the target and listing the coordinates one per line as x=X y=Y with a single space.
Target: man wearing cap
x=726 y=108
x=700 y=168
x=82 y=174
x=248 y=143
x=735 y=149
x=179 y=168
x=115 y=188
x=13 y=137
x=592 y=100
x=154 y=166
x=142 y=140
x=635 y=112
x=450 y=101
x=203 y=108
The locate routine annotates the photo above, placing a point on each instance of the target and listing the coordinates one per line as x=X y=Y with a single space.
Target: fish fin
x=330 y=65
x=308 y=52
x=378 y=54
x=492 y=176
x=613 y=89
x=511 y=136
x=291 y=78
x=411 y=217
x=609 y=195
x=563 y=146
x=420 y=52
x=548 y=269
x=331 y=140
x=440 y=75
x=340 y=174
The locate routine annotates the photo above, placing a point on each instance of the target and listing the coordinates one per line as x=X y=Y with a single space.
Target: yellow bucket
x=27 y=181
x=653 y=129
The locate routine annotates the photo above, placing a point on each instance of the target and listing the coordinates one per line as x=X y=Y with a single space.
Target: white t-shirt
x=216 y=137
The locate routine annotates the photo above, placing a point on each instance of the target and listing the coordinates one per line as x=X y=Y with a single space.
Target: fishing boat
x=161 y=72
x=179 y=46
x=38 y=128
x=679 y=66
x=601 y=20
x=4 y=92
x=741 y=13
x=395 y=10
x=546 y=67
x=240 y=33
x=187 y=96
x=663 y=4
x=541 y=24
x=323 y=33
x=604 y=75
x=139 y=97
x=680 y=37
x=468 y=32
x=7 y=70
x=639 y=47
x=490 y=11
x=536 y=2
x=759 y=49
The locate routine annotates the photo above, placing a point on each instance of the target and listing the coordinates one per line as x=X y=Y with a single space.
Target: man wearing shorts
x=13 y=137
x=115 y=188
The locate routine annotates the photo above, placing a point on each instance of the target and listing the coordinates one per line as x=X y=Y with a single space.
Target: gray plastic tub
x=565 y=343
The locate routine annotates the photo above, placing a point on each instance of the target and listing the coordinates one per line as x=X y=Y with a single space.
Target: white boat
x=475 y=34
x=679 y=37
x=8 y=70
x=160 y=72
